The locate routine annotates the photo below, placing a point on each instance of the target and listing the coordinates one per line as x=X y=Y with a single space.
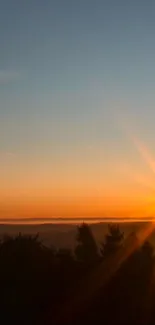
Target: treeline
x=110 y=283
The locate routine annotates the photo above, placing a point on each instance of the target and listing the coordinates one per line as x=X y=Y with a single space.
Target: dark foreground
x=113 y=283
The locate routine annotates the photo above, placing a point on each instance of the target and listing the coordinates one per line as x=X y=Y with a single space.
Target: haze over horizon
x=73 y=221
x=77 y=109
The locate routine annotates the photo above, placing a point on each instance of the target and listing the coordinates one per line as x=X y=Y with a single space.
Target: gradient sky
x=77 y=108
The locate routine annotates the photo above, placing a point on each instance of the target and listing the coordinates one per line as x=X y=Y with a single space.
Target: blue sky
x=70 y=72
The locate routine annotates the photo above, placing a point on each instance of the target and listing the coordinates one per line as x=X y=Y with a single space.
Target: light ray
x=138 y=177
x=103 y=274
x=146 y=155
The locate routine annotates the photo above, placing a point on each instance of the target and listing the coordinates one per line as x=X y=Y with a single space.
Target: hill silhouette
x=63 y=235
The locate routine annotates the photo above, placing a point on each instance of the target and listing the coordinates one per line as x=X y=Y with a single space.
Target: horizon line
x=73 y=220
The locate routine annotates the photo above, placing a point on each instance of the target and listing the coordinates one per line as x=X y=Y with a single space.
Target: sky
x=77 y=108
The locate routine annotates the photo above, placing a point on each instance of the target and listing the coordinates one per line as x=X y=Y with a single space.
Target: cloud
x=10 y=154
x=7 y=76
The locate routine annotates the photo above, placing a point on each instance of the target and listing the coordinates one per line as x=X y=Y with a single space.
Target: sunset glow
x=96 y=190
x=76 y=112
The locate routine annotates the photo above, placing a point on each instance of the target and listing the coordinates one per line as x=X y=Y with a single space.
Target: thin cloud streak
x=7 y=76
x=8 y=154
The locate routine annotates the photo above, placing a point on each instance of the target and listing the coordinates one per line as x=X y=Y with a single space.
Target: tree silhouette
x=86 y=249
x=22 y=270
x=65 y=256
x=113 y=240
x=44 y=285
x=147 y=250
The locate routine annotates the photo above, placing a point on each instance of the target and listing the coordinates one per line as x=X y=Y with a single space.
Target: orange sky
x=79 y=191
x=88 y=182
x=77 y=109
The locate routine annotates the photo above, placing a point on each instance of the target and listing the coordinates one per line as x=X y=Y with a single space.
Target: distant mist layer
x=72 y=220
